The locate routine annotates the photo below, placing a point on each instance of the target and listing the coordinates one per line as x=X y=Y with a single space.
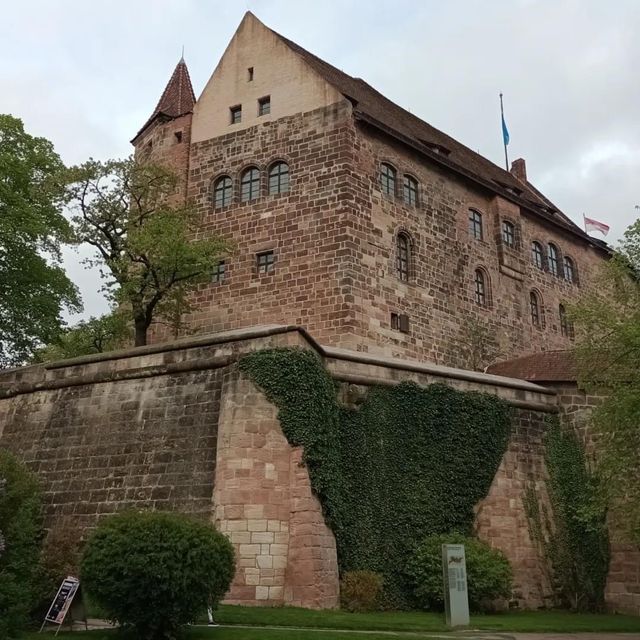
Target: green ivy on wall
x=573 y=533
x=409 y=462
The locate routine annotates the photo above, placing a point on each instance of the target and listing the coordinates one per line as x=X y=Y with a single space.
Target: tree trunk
x=141 y=326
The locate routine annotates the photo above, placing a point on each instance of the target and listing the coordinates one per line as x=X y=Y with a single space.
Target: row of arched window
x=250 y=184
x=550 y=260
x=390 y=185
x=537 y=315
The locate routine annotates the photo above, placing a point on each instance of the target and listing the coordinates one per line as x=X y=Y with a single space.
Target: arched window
x=481 y=288
x=410 y=191
x=536 y=309
x=388 y=179
x=569 y=269
x=509 y=234
x=250 y=184
x=537 y=255
x=403 y=254
x=279 y=178
x=554 y=265
x=475 y=224
x=566 y=326
x=222 y=192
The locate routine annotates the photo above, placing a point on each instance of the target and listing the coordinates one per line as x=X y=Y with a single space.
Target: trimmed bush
x=20 y=530
x=153 y=572
x=489 y=575
x=361 y=591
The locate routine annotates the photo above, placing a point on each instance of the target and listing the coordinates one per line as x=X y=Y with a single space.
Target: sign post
x=454 y=572
x=62 y=602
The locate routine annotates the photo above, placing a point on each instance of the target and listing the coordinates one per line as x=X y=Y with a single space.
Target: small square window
x=400 y=322
x=264 y=106
x=250 y=74
x=236 y=114
x=265 y=261
x=178 y=135
x=219 y=272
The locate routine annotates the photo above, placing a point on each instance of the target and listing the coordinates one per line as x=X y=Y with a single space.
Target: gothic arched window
x=403 y=255
x=250 y=184
x=279 y=178
x=222 y=192
x=388 y=179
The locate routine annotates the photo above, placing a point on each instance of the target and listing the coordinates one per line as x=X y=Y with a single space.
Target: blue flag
x=505 y=132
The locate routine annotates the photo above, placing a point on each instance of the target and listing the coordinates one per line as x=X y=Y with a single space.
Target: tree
x=150 y=248
x=34 y=289
x=608 y=358
x=95 y=335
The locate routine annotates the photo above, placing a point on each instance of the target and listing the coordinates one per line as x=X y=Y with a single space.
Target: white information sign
x=454 y=571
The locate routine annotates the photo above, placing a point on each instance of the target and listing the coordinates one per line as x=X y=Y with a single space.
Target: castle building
x=357 y=220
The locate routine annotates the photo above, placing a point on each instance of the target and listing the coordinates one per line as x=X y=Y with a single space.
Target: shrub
x=153 y=572
x=361 y=591
x=20 y=524
x=488 y=572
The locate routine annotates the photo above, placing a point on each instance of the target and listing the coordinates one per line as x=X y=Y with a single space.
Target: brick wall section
x=285 y=552
x=439 y=296
x=501 y=518
x=304 y=227
x=623 y=583
x=101 y=448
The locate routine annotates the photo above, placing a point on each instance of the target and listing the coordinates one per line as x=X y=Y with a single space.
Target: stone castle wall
x=334 y=240
x=177 y=427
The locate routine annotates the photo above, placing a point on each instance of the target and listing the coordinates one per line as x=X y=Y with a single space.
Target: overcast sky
x=87 y=76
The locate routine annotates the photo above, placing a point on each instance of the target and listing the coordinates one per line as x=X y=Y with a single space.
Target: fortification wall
x=177 y=427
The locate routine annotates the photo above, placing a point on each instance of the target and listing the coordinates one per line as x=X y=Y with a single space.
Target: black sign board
x=62 y=602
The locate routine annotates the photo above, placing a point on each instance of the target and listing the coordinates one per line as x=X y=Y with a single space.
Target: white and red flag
x=593 y=225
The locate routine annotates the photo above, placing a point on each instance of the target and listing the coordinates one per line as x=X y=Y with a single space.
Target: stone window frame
x=263 y=102
x=573 y=268
x=403 y=256
x=235 y=110
x=536 y=309
x=245 y=169
x=219 y=273
x=509 y=234
x=270 y=265
x=543 y=258
x=566 y=326
x=557 y=260
x=385 y=164
x=216 y=179
x=473 y=224
x=486 y=301
x=270 y=167
x=403 y=232
x=407 y=180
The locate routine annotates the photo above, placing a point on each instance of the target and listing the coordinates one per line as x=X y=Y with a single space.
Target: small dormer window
x=236 y=114
x=264 y=106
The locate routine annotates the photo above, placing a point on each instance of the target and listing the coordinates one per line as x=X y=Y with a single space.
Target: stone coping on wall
x=212 y=351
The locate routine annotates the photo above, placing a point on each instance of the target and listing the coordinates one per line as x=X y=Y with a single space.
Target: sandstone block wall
x=263 y=501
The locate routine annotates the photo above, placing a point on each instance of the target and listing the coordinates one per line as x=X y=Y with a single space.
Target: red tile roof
x=373 y=108
x=176 y=100
x=546 y=366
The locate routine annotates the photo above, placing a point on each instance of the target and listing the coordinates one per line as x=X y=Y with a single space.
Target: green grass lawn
x=524 y=621
x=238 y=634
x=399 y=621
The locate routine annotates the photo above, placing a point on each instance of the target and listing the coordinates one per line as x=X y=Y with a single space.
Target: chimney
x=519 y=169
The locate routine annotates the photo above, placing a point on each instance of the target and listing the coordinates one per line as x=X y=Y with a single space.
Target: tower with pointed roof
x=356 y=219
x=166 y=135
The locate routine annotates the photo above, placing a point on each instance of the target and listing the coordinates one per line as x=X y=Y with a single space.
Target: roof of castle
x=176 y=100
x=371 y=107
x=546 y=366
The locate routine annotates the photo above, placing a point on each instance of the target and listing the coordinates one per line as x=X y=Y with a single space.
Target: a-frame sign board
x=63 y=602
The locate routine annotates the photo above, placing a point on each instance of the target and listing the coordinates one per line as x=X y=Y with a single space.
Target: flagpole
x=506 y=156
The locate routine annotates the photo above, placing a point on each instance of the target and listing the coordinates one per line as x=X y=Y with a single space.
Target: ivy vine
x=409 y=462
x=573 y=532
